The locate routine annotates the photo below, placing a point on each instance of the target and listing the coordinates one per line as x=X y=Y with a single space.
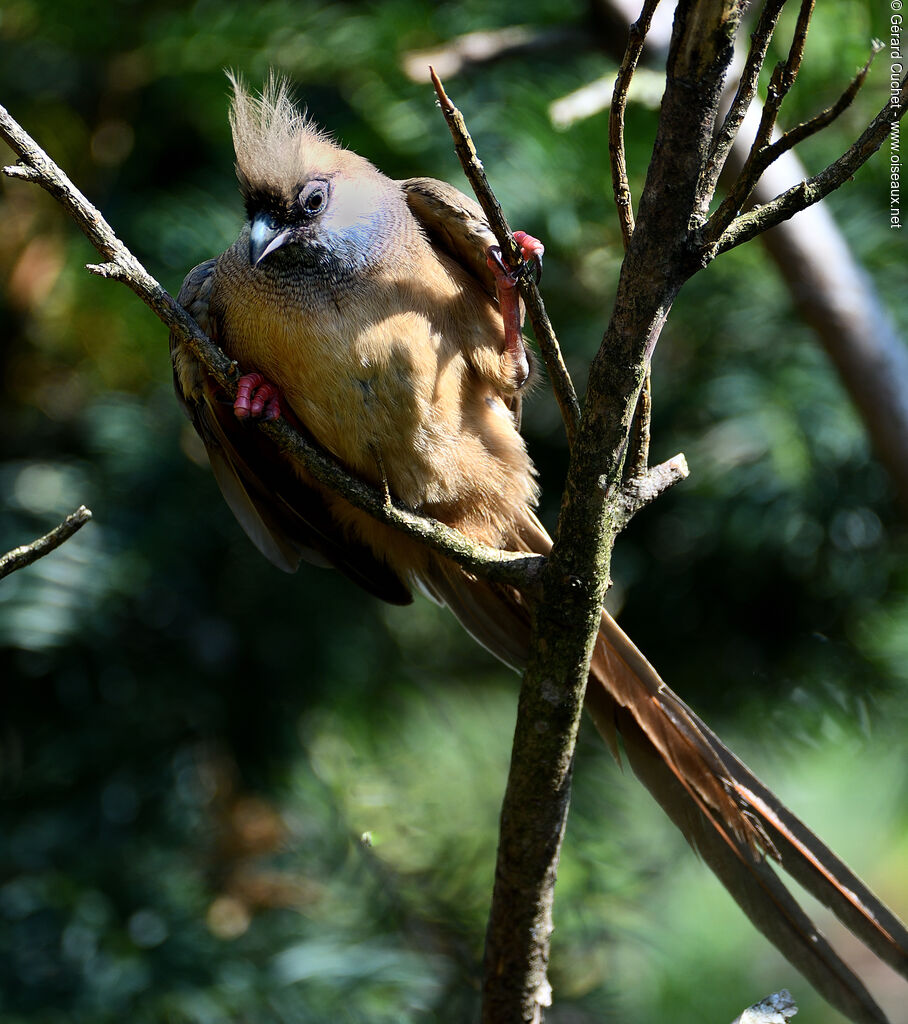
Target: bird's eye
x=314 y=196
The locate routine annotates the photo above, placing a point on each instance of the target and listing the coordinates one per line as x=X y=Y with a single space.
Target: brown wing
x=457 y=226
x=286 y=518
x=454 y=222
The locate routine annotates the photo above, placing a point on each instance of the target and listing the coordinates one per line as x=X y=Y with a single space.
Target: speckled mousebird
x=364 y=310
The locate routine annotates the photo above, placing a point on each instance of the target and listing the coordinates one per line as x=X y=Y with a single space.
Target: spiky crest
x=274 y=141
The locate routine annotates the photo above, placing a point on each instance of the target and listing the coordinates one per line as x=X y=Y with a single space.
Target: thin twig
x=637 y=461
x=818 y=122
x=560 y=379
x=811 y=191
x=796 y=51
x=768 y=152
x=782 y=79
x=635 y=41
x=19 y=557
x=518 y=569
x=747 y=87
x=640 y=428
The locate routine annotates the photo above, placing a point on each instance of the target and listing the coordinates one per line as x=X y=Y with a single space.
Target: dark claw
x=494 y=253
x=536 y=264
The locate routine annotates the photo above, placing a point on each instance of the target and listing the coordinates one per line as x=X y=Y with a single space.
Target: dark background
x=192 y=744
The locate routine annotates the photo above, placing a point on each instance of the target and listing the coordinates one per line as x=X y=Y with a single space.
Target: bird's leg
x=508 y=298
x=256 y=398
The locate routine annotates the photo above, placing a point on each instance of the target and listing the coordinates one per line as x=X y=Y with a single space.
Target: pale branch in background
x=477 y=48
x=24 y=555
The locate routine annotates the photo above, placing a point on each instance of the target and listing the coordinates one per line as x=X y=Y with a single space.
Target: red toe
x=530 y=247
x=256 y=398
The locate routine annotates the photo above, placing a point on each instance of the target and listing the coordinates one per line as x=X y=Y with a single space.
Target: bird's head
x=307 y=199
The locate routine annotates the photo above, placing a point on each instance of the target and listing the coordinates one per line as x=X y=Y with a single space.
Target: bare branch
x=108 y=270
x=637 y=460
x=22 y=172
x=796 y=52
x=782 y=79
x=819 y=121
x=562 y=385
x=19 y=557
x=640 y=491
x=811 y=191
x=747 y=88
x=617 y=157
x=515 y=568
x=763 y=152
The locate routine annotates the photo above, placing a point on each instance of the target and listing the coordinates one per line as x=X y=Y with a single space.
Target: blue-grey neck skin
x=352 y=235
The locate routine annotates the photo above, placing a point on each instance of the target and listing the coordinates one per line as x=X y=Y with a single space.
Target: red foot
x=508 y=300
x=256 y=398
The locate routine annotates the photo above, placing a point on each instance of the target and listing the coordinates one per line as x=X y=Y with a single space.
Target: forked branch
x=764 y=151
x=747 y=89
x=752 y=223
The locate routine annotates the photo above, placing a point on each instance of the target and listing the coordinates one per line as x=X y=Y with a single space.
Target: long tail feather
x=754 y=886
x=733 y=821
x=682 y=762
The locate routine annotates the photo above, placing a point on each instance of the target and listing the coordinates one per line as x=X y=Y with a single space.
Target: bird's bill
x=264 y=237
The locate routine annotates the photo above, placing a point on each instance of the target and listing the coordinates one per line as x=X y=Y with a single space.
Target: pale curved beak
x=264 y=237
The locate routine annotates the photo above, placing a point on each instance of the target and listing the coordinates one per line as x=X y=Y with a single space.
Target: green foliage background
x=193 y=746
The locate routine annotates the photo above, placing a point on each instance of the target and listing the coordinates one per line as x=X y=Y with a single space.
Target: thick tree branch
x=575 y=577
x=22 y=556
x=518 y=569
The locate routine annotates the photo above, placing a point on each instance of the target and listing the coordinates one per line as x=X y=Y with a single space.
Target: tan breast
x=387 y=375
